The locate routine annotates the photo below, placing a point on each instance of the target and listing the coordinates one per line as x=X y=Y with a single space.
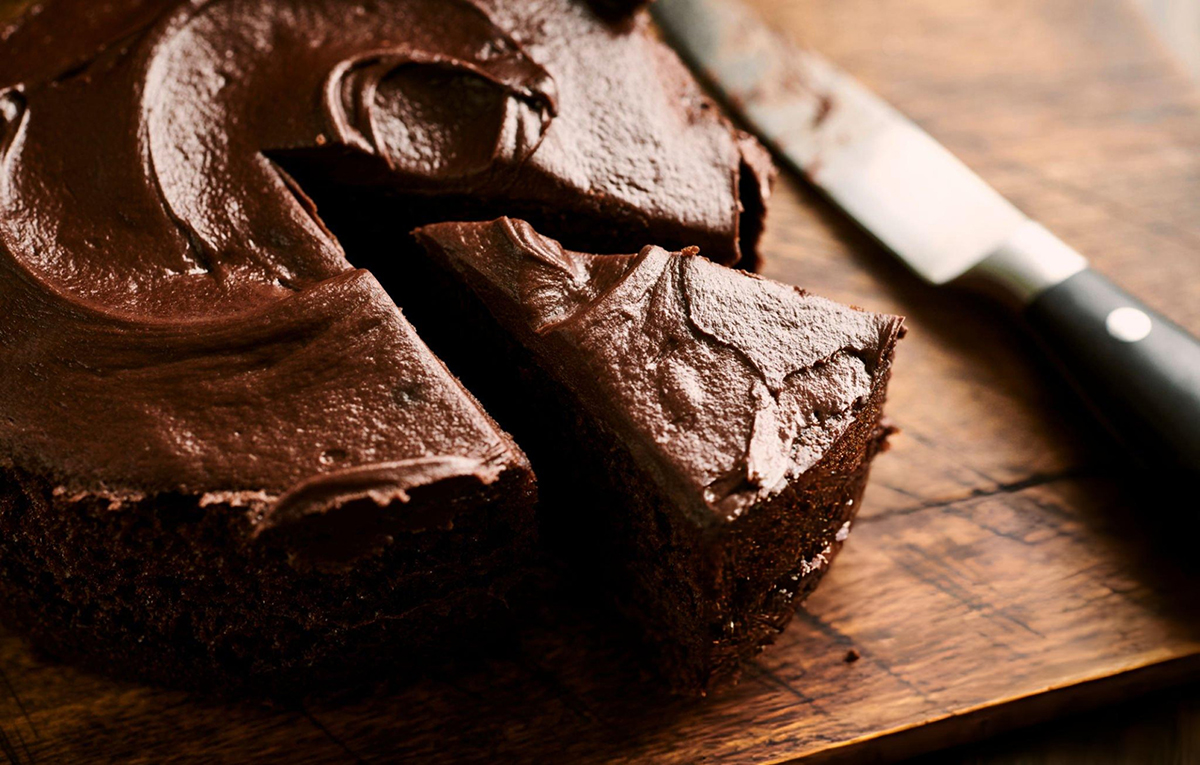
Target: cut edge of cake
x=750 y=413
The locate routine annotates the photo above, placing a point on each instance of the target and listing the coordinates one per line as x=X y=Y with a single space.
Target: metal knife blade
x=1139 y=371
x=898 y=183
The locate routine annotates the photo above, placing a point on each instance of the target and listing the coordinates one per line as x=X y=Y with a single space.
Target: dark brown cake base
x=706 y=603
x=170 y=593
x=706 y=600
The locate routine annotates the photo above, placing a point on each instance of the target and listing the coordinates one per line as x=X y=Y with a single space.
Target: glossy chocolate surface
x=731 y=386
x=175 y=317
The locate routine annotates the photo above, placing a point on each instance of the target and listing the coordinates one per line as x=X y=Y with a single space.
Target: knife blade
x=1138 y=370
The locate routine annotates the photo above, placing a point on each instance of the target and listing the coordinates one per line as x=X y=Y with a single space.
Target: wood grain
x=1008 y=566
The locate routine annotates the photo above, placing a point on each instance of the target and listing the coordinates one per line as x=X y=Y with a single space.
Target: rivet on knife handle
x=1138 y=370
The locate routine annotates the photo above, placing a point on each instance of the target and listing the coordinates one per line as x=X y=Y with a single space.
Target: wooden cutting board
x=1008 y=565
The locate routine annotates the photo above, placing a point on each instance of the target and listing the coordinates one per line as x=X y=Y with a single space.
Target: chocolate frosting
x=729 y=386
x=174 y=316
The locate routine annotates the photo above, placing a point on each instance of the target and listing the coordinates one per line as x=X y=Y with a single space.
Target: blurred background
x=1178 y=23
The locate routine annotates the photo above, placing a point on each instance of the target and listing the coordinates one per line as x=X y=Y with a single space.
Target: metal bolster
x=1029 y=262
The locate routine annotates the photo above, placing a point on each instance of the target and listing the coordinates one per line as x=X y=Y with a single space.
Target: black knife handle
x=1137 y=369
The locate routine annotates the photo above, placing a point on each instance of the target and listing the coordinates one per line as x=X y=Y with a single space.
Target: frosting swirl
x=174 y=314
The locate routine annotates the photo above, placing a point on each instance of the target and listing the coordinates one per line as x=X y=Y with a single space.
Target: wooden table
x=1159 y=729
x=1008 y=567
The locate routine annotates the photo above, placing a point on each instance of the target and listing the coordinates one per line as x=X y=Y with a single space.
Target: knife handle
x=1137 y=369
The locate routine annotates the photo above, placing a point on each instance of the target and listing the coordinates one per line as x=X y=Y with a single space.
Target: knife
x=1139 y=371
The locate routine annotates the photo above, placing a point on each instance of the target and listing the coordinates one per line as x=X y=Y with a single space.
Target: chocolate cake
x=734 y=418
x=227 y=459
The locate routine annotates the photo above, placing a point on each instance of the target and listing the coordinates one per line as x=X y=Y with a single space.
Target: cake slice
x=701 y=435
x=304 y=497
